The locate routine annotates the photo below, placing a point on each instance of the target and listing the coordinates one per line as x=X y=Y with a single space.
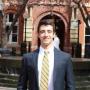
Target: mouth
x=46 y=39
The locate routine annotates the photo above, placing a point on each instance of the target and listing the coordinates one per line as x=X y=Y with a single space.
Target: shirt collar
x=50 y=50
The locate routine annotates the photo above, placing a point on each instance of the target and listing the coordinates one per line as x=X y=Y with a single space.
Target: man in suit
x=60 y=75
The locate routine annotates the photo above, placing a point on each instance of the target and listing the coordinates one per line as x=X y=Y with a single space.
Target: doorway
x=59 y=27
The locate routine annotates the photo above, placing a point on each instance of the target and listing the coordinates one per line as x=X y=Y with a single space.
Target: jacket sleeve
x=69 y=76
x=23 y=78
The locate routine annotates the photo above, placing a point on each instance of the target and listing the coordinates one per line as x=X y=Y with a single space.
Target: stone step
x=82 y=78
x=83 y=83
x=10 y=76
x=10 y=80
x=7 y=80
x=83 y=88
x=7 y=88
x=8 y=85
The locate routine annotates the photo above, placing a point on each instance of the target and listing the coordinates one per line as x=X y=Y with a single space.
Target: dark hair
x=46 y=22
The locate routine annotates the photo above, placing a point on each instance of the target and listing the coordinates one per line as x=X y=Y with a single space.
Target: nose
x=46 y=33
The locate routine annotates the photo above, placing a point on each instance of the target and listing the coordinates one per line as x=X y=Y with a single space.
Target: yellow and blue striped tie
x=44 y=72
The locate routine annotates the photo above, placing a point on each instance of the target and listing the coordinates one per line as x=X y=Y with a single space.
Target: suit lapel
x=36 y=63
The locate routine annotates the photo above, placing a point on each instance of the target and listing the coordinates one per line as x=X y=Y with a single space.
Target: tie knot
x=46 y=52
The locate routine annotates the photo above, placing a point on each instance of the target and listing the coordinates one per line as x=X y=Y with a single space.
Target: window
x=11 y=17
x=87 y=39
x=13 y=37
x=87 y=42
x=14 y=34
x=87 y=36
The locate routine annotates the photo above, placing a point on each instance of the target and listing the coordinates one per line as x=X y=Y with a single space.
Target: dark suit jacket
x=62 y=73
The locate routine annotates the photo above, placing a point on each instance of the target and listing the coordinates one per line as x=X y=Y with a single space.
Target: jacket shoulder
x=31 y=53
x=62 y=54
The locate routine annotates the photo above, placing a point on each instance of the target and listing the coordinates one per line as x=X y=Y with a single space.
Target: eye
x=49 y=31
x=42 y=31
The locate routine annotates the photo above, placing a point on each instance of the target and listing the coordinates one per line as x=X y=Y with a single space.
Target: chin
x=46 y=44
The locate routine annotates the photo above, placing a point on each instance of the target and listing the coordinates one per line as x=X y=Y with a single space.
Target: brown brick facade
x=60 y=12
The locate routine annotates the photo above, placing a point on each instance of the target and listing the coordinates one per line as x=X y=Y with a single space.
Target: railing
x=10 y=65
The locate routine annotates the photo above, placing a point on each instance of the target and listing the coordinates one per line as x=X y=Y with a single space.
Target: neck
x=46 y=46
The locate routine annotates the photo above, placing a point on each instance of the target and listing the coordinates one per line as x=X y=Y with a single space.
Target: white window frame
x=9 y=24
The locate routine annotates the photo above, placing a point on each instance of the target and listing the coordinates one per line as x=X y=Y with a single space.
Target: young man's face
x=46 y=35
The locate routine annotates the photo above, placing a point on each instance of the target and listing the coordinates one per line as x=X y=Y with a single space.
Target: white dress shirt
x=51 y=65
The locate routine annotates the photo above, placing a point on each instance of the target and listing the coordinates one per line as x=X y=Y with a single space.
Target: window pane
x=14 y=38
x=7 y=28
x=10 y=17
x=14 y=29
x=87 y=31
x=87 y=39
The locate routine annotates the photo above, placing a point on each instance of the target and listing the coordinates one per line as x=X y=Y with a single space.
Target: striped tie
x=44 y=72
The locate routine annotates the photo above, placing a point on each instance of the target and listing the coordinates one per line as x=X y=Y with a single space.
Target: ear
x=54 y=35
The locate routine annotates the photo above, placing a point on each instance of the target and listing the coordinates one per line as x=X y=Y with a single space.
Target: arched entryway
x=59 y=27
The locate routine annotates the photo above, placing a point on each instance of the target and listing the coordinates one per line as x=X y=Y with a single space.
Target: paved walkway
x=7 y=88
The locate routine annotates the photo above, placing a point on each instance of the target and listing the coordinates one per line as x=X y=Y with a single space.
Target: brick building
x=68 y=19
